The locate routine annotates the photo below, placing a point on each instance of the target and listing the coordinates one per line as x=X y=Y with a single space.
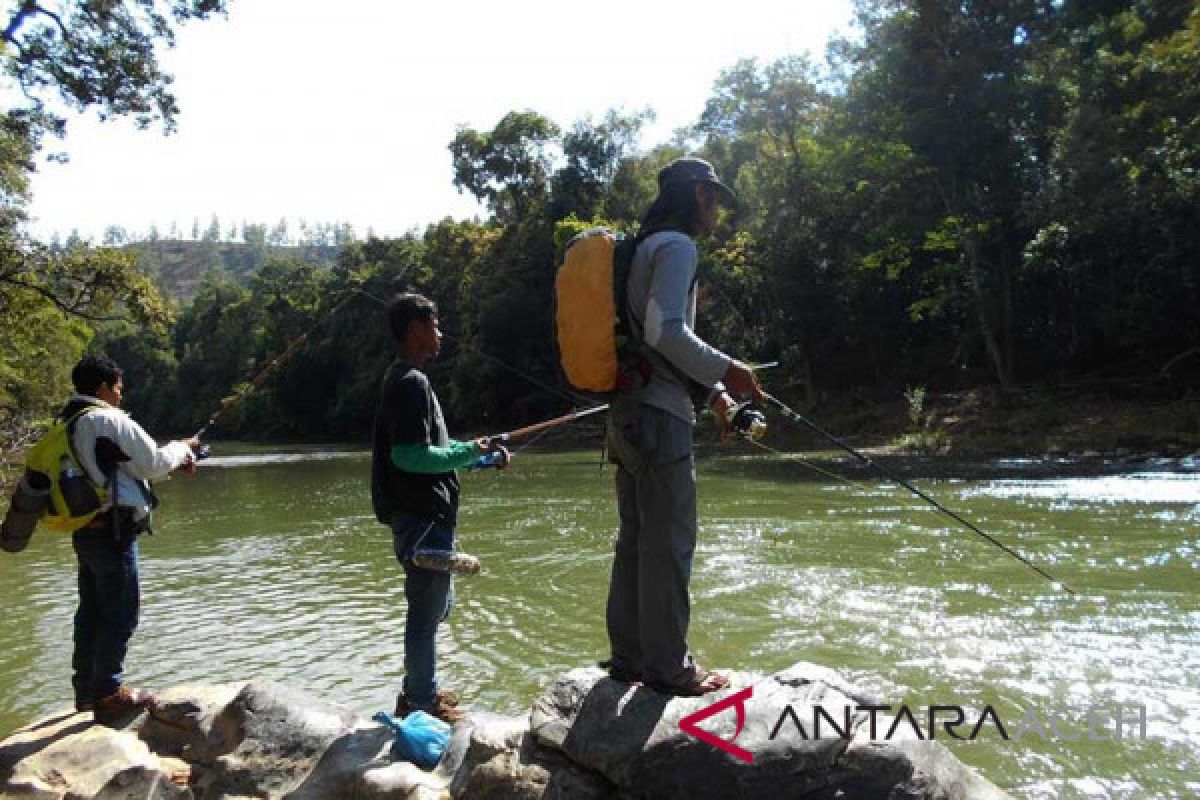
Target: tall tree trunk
x=987 y=328
x=1007 y=281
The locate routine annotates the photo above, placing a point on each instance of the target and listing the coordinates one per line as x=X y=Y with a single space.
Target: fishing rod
x=263 y=374
x=517 y=433
x=495 y=458
x=862 y=457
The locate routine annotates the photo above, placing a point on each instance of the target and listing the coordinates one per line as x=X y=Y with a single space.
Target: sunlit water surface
x=274 y=567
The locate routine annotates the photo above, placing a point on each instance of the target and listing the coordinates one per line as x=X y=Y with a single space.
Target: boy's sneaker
x=447 y=561
x=444 y=696
x=121 y=706
x=445 y=707
x=446 y=712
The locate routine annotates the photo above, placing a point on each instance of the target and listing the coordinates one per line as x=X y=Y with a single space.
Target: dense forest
x=962 y=193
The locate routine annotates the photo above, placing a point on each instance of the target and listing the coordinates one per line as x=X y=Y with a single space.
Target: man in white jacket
x=111 y=447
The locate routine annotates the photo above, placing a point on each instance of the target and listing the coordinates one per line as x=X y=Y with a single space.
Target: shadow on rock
x=41 y=735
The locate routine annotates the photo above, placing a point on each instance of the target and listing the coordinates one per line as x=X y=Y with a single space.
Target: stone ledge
x=587 y=738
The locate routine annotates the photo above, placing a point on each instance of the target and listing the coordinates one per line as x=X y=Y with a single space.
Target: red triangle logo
x=738 y=701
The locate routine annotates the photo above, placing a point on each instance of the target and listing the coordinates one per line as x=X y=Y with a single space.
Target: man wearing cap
x=650 y=437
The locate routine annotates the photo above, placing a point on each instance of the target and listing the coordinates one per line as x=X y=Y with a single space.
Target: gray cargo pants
x=648 y=604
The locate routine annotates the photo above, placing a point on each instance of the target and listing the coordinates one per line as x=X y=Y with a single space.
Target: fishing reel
x=497 y=456
x=745 y=419
x=497 y=459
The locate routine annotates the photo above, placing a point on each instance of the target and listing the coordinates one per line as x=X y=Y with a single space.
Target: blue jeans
x=109 y=599
x=429 y=594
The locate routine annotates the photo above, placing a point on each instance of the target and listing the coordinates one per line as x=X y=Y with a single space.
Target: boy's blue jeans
x=109 y=599
x=429 y=594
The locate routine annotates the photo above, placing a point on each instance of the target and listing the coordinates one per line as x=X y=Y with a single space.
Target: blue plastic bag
x=420 y=737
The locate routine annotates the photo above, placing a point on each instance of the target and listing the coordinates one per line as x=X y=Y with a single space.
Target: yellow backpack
x=591 y=329
x=75 y=498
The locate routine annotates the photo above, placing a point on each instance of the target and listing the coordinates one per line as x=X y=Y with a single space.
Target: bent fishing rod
x=263 y=374
x=862 y=457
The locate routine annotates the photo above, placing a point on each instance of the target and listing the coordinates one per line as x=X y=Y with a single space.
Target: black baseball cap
x=695 y=170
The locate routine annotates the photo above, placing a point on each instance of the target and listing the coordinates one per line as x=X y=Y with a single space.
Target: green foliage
x=969 y=192
x=594 y=154
x=914 y=398
x=87 y=55
x=41 y=346
x=571 y=226
x=100 y=54
x=508 y=167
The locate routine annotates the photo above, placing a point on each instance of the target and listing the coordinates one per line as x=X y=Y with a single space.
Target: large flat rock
x=66 y=756
x=587 y=738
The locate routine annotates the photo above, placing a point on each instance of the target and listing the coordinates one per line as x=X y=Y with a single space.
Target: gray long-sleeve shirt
x=662 y=305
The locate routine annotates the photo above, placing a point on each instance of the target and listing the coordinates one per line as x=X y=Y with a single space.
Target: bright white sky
x=342 y=111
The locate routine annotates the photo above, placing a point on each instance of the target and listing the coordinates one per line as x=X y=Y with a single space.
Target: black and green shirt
x=409 y=414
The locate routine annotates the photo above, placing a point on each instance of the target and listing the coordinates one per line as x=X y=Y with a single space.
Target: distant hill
x=178 y=266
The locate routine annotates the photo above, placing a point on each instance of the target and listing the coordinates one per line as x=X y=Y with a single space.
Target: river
x=272 y=566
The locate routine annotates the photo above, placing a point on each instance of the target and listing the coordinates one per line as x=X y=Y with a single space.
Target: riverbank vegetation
x=998 y=195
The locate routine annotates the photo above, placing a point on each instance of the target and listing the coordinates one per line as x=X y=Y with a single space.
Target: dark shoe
x=702 y=682
x=619 y=673
x=82 y=684
x=121 y=706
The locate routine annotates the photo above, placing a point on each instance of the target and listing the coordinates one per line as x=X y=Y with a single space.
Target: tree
x=278 y=237
x=593 y=153
x=1117 y=248
x=213 y=232
x=509 y=167
x=975 y=114
x=99 y=54
x=85 y=55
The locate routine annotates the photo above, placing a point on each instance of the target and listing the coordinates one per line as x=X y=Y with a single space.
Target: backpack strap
x=71 y=423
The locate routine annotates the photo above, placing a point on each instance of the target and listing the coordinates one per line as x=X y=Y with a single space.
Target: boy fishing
x=415 y=491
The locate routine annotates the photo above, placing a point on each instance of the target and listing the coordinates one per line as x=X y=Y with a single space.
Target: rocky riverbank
x=585 y=737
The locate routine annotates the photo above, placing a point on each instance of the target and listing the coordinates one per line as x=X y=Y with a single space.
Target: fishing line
x=805 y=462
x=793 y=416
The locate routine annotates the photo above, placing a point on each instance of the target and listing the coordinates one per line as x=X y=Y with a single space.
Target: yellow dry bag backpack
x=591 y=329
x=74 y=498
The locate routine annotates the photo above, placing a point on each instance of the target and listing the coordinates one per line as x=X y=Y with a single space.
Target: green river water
x=273 y=566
